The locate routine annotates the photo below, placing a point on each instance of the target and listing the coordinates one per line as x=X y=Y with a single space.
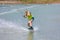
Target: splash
x=4 y=23
x=8 y=24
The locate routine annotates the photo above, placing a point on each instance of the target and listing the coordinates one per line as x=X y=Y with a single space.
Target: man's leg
x=30 y=24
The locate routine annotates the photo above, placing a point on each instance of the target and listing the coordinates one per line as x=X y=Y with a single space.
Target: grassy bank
x=40 y=1
x=29 y=1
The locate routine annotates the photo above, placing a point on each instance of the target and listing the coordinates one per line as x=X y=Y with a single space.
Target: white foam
x=8 y=24
x=26 y=29
x=35 y=28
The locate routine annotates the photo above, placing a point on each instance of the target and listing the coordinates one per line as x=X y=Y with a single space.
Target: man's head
x=27 y=13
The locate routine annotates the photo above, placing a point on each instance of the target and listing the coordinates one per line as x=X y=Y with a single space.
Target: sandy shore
x=10 y=2
x=20 y=2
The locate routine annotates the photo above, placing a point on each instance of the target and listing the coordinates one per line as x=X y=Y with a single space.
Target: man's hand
x=24 y=16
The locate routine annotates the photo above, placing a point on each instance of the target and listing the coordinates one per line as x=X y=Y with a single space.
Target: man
x=28 y=15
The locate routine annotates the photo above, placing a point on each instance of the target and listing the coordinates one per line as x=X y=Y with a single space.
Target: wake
x=18 y=9
x=10 y=25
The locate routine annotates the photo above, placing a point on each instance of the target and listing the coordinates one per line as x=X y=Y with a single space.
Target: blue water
x=47 y=20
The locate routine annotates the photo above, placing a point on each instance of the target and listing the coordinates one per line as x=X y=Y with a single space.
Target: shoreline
x=10 y=2
x=20 y=2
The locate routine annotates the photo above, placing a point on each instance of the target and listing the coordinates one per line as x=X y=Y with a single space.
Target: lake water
x=46 y=23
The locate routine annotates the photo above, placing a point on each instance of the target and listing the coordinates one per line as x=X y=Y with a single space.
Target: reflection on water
x=30 y=36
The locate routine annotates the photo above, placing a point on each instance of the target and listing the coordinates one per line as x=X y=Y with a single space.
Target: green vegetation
x=26 y=0
x=39 y=1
